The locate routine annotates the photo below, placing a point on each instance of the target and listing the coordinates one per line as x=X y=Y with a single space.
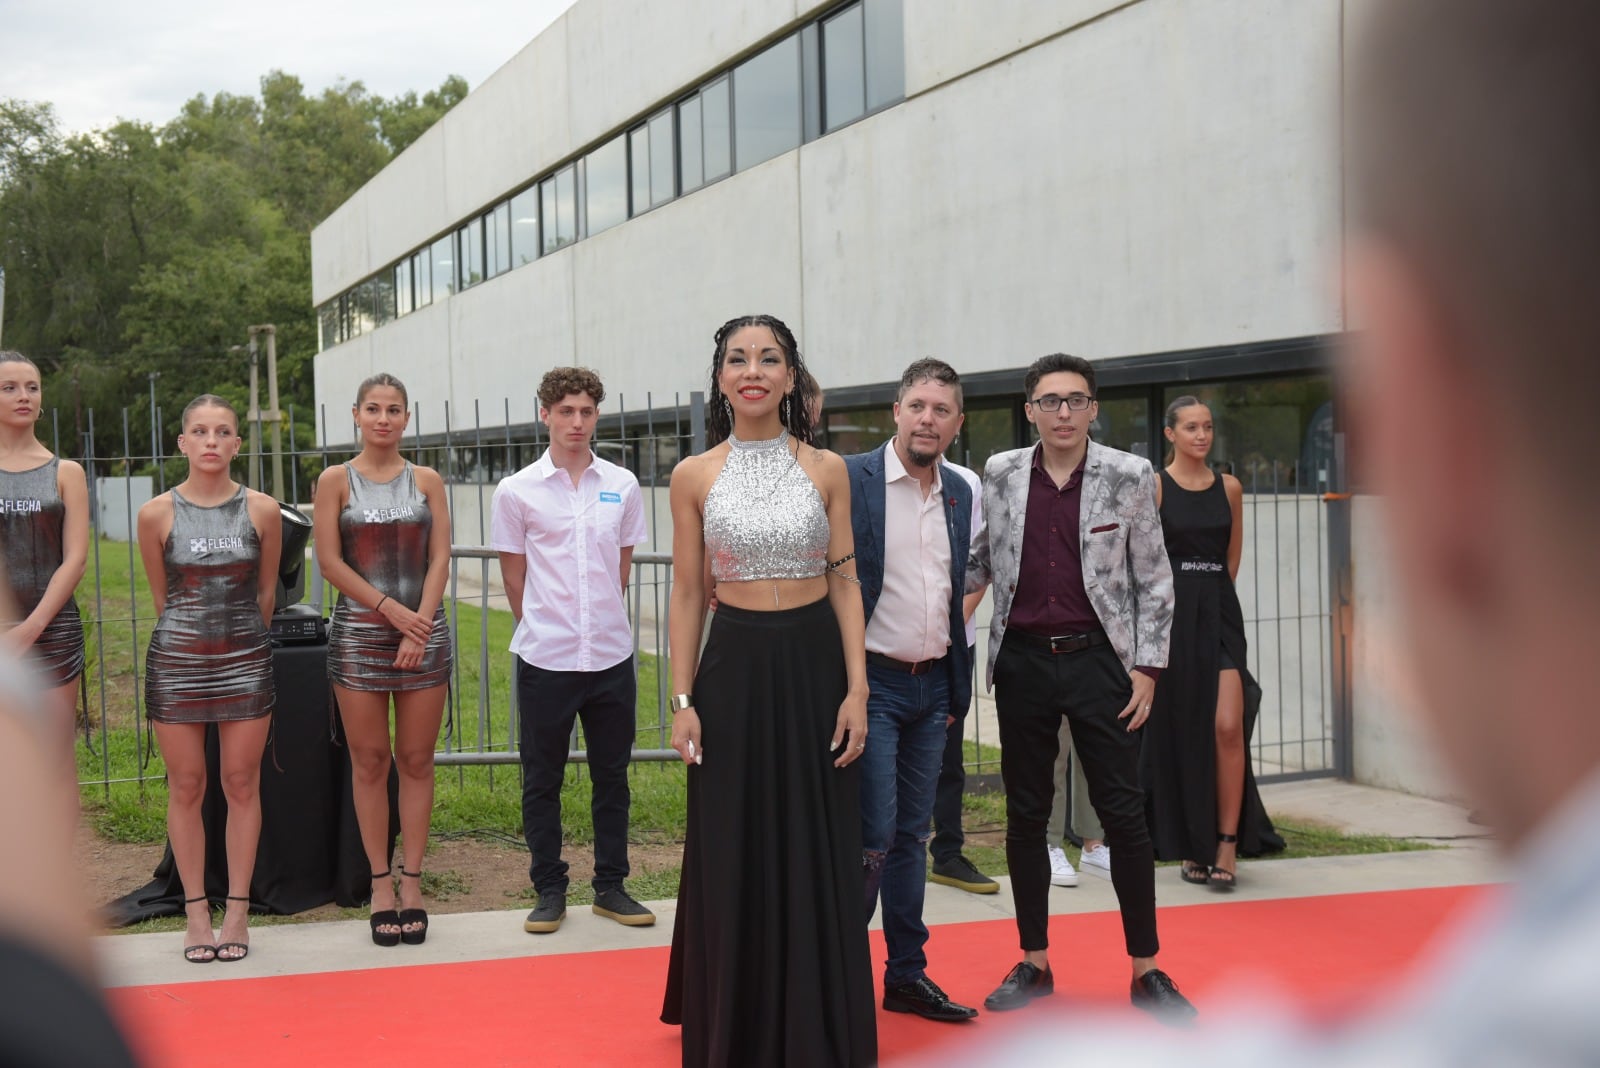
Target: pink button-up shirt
x=574 y=617
x=912 y=618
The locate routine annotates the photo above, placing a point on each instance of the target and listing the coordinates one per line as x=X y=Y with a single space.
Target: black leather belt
x=1059 y=643
x=918 y=667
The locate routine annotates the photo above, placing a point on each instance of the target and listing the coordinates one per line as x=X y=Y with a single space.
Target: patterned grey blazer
x=1125 y=568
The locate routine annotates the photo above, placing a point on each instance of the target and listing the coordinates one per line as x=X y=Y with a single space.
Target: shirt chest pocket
x=1105 y=546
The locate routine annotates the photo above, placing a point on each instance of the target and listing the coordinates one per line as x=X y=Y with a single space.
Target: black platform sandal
x=417 y=916
x=1222 y=879
x=201 y=953
x=1192 y=872
x=386 y=918
x=242 y=947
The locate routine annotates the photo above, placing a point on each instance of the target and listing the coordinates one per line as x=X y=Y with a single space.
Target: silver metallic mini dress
x=764 y=518
x=210 y=657
x=32 y=522
x=383 y=534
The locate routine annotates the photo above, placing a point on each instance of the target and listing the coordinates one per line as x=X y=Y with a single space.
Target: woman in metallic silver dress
x=210 y=548
x=383 y=540
x=44 y=537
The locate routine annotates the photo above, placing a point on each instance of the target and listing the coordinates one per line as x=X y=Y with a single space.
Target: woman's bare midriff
x=772 y=595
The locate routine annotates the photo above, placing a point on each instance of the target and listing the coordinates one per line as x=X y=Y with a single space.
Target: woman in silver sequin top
x=383 y=540
x=770 y=717
x=210 y=548
x=44 y=536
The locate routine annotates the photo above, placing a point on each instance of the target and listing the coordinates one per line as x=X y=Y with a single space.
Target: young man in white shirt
x=565 y=527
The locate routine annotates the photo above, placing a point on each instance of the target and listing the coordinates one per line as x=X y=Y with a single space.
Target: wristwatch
x=680 y=701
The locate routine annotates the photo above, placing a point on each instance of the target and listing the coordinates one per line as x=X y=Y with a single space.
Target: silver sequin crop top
x=764 y=518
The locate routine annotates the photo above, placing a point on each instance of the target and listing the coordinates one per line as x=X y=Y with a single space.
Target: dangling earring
x=728 y=404
x=783 y=409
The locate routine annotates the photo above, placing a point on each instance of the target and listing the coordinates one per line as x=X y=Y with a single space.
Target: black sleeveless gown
x=1177 y=758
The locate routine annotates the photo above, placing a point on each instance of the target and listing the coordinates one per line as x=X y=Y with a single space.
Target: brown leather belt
x=918 y=667
x=1059 y=643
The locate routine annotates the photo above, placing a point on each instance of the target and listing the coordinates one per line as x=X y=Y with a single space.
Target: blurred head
x=927 y=413
x=569 y=405
x=1475 y=160
x=756 y=365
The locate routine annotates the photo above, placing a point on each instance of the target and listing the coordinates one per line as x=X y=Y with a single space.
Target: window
x=716 y=130
x=639 y=167
x=497 y=239
x=1275 y=435
x=422 y=278
x=402 y=287
x=662 y=188
x=606 y=186
x=885 y=39
x=444 y=267
x=382 y=290
x=559 y=209
x=767 y=104
x=328 y=323
x=525 y=226
x=989 y=428
x=844 y=75
x=469 y=247
x=691 y=170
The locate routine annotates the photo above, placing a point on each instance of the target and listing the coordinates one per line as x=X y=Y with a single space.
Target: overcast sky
x=101 y=60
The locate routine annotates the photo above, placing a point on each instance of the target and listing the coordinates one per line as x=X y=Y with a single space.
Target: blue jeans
x=899 y=772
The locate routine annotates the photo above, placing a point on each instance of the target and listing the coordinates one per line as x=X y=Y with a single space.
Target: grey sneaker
x=548 y=916
x=615 y=904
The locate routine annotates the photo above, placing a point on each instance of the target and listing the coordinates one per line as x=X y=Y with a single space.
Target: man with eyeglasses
x=1082 y=610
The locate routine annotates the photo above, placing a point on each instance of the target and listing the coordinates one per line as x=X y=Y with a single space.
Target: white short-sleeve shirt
x=574 y=615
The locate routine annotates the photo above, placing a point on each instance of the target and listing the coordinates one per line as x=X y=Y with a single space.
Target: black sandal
x=386 y=918
x=200 y=953
x=1192 y=872
x=1222 y=879
x=417 y=916
x=242 y=947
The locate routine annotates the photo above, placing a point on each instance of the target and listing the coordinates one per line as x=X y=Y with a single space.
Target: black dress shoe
x=1025 y=983
x=923 y=997
x=1157 y=994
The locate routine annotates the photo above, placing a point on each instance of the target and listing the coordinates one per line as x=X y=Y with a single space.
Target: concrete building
x=1153 y=184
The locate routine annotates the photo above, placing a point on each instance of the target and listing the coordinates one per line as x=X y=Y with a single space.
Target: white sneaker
x=1061 y=871
x=1097 y=861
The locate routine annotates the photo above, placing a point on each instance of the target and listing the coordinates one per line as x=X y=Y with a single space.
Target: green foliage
x=139 y=251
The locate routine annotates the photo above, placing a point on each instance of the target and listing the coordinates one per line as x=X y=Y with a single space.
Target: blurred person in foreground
x=1475 y=127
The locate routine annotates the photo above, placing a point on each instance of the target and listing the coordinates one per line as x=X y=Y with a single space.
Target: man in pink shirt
x=565 y=527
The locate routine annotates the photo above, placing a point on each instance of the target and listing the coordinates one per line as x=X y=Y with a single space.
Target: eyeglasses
x=1076 y=402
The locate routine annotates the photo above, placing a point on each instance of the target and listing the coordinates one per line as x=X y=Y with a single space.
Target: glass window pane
x=860 y=430
x=1122 y=423
x=525 y=226
x=767 y=104
x=498 y=252
x=639 y=168
x=844 y=84
x=328 y=324
x=661 y=163
x=606 y=185
x=988 y=430
x=382 y=289
x=444 y=267
x=560 y=210
x=690 y=170
x=422 y=278
x=469 y=249
x=886 y=52
x=402 y=287
x=715 y=129
x=1274 y=435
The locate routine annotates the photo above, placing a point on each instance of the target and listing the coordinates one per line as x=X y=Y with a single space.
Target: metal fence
x=1284 y=586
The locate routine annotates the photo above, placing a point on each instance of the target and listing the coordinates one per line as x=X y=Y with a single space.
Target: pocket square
x=1102 y=530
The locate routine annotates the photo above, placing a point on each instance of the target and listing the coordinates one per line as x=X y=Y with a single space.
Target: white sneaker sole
x=1064 y=880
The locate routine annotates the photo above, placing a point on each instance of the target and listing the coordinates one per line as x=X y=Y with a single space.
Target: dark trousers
x=1033 y=689
x=547 y=704
x=947 y=836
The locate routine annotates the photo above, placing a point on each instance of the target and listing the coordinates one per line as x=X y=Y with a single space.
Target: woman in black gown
x=1200 y=792
x=769 y=958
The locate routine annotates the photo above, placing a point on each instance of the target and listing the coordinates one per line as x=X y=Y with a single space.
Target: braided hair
x=719 y=412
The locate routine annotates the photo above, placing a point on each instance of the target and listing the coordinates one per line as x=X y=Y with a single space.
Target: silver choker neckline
x=760 y=446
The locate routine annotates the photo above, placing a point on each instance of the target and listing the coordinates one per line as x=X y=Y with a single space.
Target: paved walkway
x=128 y=960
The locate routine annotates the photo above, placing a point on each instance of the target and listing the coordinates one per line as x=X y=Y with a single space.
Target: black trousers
x=947 y=836
x=1033 y=689
x=547 y=704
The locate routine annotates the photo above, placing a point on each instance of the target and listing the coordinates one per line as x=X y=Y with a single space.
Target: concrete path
x=289 y=949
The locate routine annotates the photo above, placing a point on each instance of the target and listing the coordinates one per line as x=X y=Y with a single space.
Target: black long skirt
x=769 y=963
x=1178 y=753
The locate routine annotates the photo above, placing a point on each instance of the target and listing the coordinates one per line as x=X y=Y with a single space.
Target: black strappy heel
x=242 y=947
x=1221 y=879
x=386 y=918
x=200 y=953
x=419 y=916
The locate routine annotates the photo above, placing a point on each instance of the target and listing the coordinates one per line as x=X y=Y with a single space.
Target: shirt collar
x=893 y=469
x=1038 y=465
x=546 y=467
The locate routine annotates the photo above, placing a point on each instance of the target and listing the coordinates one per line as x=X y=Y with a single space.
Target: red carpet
x=601 y=1008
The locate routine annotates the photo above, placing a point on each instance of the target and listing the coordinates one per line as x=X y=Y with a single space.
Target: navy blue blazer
x=867 y=522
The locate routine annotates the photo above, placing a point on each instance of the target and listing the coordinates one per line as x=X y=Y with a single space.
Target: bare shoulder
x=428 y=480
x=1232 y=487
x=335 y=478
x=157 y=507
x=695 y=472
x=261 y=505
x=824 y=460
x=70 y=470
